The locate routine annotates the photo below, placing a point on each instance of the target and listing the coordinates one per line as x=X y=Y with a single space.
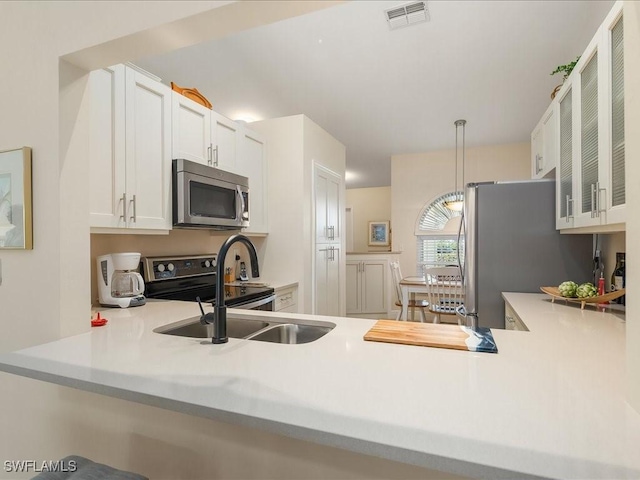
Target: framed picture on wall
x=15 y=199
x=379 y=233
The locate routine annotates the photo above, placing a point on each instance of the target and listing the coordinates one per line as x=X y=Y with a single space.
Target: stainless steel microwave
x=207 y=197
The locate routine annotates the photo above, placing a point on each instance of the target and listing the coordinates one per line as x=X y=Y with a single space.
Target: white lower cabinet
x=327 y=294
x=367 y=286
x=286 y=299
x=130 y=150
x=512 y=321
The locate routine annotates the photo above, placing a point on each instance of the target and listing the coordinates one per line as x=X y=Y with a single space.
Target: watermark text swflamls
x=22 y=466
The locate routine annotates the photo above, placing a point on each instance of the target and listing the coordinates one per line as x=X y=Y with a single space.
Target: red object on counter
x=601 y=286
x=98 y=321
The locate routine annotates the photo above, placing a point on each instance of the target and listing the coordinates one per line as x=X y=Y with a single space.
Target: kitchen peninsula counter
x=550 y=403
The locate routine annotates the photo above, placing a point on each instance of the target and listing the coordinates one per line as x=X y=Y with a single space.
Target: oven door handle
x=255 y=303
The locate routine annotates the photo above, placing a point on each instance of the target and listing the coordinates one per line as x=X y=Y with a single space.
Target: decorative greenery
x=567 y=69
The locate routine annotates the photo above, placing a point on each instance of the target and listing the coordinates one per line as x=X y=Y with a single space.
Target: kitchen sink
x=236 y=328
x=278 y=330
x=292 y=333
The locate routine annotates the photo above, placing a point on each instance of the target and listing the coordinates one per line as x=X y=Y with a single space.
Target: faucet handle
x=208 y=318
x=205 y=318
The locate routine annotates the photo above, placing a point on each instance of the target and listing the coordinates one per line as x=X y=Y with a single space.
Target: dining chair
x=421 y=305
x=444 y=285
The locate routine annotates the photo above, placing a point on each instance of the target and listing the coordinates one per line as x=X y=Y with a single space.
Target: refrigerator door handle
x=468 y=319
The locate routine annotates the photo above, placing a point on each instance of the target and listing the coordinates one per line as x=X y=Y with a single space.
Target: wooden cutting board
x=432 y=335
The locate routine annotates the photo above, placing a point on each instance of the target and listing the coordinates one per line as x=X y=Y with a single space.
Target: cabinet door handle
x=598 y=203
x=570 y=203
x=593 y=200
x=215 y=156
x=332 y=229
x=134 y=216
x=124 y=208
x=209 y=154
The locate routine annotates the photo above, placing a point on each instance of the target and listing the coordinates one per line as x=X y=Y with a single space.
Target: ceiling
x=383 y=92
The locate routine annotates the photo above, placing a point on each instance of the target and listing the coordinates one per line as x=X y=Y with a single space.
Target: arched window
x=437 y=234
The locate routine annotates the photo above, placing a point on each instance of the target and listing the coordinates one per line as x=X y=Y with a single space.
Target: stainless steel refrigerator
x=512 y=245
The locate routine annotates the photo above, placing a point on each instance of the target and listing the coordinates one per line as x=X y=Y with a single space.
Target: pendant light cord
x=460 y=123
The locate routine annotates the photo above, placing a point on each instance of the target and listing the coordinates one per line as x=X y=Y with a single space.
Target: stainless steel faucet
x=219 y=315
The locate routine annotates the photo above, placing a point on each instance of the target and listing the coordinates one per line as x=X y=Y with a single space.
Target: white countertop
x=550 y=403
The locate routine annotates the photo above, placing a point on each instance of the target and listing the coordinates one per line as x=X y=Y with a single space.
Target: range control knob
x=213 y=262
x=171 y=267
x=160 y=267
x=206 y=264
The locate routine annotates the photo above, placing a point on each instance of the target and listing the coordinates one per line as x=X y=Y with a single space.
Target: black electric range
x=189 y=277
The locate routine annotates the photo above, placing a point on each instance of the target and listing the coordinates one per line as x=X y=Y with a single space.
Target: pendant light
x=458 y=202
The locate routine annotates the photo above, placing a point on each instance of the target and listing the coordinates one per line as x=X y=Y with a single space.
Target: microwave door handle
x=242 y=205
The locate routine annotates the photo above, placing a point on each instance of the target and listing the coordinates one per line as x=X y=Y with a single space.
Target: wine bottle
x=618 y=276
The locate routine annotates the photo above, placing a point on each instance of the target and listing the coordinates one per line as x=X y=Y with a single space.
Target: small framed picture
x=379 y=233
x=15 y=199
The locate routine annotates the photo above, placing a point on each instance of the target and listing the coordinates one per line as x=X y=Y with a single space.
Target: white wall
x=418 y=179
x=283 y=254
x=294 y=145
x=368 y=205
x=632 y=139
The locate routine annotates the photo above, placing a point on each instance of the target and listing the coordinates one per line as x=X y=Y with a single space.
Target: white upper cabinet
x=191 y=129
x=564 y=171
x=148 y=152
x=327 y=187
x=594 y=97
x=204 y=136
x=544 y=144
x=615 y=201
x=107 y=147
x=252 y=163
x=130 y=150
x=591 y=94
x=225 y=138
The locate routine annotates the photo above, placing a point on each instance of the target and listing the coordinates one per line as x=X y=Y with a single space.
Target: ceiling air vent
x=408 y=14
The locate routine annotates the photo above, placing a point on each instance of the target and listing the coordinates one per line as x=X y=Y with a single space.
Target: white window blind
x=589 y=130
x=566 y=153
x=435 y=246
x=438 y=251
x=617 y=115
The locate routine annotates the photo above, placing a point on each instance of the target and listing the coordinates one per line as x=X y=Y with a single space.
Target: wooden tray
x=432 y=335
x=193 y=94
x=606 y=298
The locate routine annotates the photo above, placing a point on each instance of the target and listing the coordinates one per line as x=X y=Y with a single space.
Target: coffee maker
x=119 y=284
